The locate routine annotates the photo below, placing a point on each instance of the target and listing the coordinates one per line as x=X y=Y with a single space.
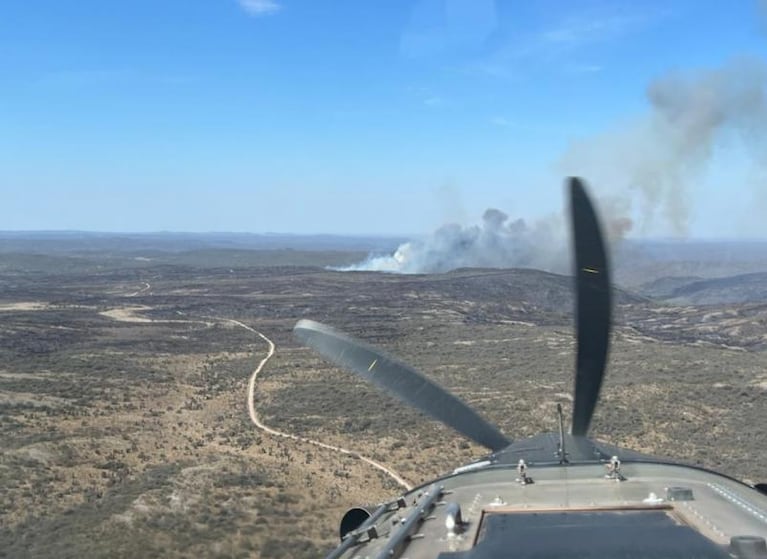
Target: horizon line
x=160 y=232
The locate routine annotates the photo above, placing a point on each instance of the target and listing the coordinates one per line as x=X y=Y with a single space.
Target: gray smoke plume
x=650 y=165
x=642 y=171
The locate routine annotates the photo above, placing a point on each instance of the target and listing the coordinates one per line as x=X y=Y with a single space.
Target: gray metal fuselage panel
x=721 y=507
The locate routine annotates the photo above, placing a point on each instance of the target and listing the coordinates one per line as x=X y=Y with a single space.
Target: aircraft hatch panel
x=632 y=534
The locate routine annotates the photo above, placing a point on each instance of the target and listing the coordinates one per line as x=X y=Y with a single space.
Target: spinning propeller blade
x=592 y=307
x=401 y=380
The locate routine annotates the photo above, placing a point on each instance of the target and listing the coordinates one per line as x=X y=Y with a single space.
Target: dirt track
x=260 y=425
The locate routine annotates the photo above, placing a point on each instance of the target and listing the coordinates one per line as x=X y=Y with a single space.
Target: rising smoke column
x=644 y=169
x=650 y=166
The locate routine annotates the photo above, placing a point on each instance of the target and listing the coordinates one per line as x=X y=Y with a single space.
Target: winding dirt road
x=260 y=425
x=141 y=291
x=131 y=315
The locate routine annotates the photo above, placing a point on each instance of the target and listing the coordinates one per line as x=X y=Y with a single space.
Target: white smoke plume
x=496 y=243
x=643 y=170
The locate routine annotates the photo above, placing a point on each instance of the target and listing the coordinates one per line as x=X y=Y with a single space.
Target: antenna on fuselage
x=561 y=451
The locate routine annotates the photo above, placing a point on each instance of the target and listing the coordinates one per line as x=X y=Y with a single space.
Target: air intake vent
x=679 y=494
x=748 y=547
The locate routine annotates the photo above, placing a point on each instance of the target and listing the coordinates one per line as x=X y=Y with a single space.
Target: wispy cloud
x=260 y=7
x=577 y=32
x=570 y=36
x=505 y=123
x=435 y=101
x=426 y=96
x=574 y=34
x=583 y=68
x=501 y=121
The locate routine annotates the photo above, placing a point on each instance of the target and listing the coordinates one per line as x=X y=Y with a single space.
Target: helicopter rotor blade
x=401 y=380
x=592 y=306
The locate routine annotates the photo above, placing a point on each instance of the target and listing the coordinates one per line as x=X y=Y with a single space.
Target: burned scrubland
x=123 y=410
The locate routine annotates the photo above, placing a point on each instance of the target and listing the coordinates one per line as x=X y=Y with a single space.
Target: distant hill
x=738 y=289
x=78 y=242
x=74 y=251
x=665 y=287
x=639 y=263
x=473 y=295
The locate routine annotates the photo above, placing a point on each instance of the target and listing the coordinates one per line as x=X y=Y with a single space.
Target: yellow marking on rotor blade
x=373 y=364
x=590 y=270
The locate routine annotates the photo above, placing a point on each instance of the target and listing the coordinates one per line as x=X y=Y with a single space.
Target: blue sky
x=383 y=117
